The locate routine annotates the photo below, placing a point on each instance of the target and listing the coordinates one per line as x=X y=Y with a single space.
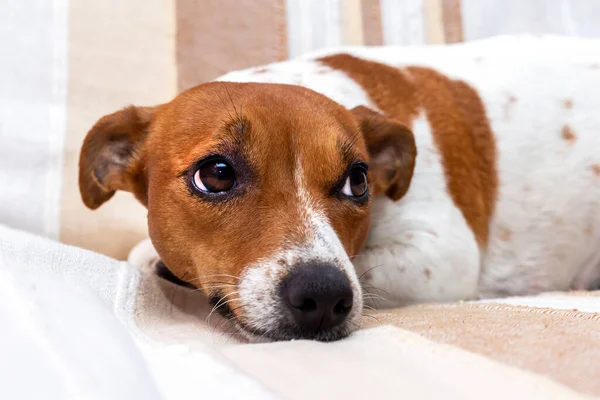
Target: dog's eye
x=214 y=176
x=356 y=183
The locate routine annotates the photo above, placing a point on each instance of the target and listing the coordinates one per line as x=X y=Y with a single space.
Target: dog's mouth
x=282 y=330
x=285 y=334
x=165 y=273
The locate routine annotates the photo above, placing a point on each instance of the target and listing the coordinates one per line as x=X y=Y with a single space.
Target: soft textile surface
x=60 y=309
x=75 y=324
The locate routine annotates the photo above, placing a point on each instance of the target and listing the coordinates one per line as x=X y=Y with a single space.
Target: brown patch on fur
x=596 y=169
x=589 y=230
x=458 y=121
x=508 y=106
x=112 y=156
x=427 y=273
x=261 y=70
x=567 y=104
x=568 y=134
x=393 y=153
x=505 y=234
x=527 y=188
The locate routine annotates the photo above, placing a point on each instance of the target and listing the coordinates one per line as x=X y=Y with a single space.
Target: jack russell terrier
x=432 y=173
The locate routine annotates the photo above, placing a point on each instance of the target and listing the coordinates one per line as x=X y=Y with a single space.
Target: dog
x=284 y=192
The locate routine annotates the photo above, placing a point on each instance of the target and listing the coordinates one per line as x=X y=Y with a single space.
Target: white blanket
x=79 y=325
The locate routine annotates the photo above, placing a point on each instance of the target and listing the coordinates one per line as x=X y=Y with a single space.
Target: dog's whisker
x=374 y=297
x=372 y=317
x=375 y=288
x=369 y=270
x=215 y=287
x=374 y=302
x=373 y=294
x=220 y=304
x=213 y=275
x=233 y=310
x=221 y=325
x=231 y=325
x=369 y=293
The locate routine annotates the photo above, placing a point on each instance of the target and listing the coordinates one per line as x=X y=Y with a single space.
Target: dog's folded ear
x=392 y=149
x=111 y=156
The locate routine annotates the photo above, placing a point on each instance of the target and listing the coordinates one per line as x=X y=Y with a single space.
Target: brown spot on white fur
x=511 y=100
x=427 y=273
x=261 y=70
x=509 y=105
x=596 y=169
x=568 y=134
x=589 y=230
x=459 y=125
x=567 y=104
x=505 y=234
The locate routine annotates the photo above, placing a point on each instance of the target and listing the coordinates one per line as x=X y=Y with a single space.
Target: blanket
x=76 y=324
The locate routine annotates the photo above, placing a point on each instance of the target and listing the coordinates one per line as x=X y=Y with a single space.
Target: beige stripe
x=218 y=36
x=434 y=27
x=561 y=344
x=452 y=21
x=118 y=55
x=352 y=27
x=579 y=301
x=371 y=19
x=388 y=363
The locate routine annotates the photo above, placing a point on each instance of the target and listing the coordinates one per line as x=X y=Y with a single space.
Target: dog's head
x=258 y=194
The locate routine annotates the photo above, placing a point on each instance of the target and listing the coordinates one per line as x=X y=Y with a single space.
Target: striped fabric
x=528 y=347
x=65 y=63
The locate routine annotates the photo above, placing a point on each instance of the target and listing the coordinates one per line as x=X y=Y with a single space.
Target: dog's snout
x=319 y=296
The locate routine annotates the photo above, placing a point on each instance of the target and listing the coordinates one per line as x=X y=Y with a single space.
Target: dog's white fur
x=259 y=283
x=545 y=234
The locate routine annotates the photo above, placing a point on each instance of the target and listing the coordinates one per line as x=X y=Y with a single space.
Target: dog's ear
x=391 y=147
x=111 y=156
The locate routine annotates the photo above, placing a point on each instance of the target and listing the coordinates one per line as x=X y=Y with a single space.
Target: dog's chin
x=282 y=334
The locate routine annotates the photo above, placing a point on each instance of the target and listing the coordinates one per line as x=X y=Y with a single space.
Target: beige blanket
x=79 y=325
x=59 y=308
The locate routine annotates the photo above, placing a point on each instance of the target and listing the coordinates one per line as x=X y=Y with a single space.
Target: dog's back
x=505 y=195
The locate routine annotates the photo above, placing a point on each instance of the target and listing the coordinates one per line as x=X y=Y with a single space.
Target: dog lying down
x=286 y=192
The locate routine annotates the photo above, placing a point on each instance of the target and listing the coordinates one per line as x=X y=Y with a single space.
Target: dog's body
x=544 y=116
x=496 y=190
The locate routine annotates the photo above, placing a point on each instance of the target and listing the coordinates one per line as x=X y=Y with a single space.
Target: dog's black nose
x=319 y=296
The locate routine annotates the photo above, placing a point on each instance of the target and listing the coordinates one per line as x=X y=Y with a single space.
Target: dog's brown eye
x=214 y=176
x=356 y=184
